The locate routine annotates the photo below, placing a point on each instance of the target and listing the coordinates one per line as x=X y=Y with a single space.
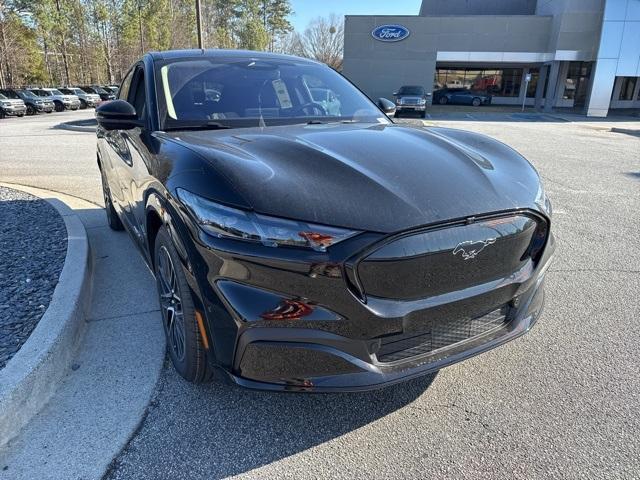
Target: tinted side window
x=137 y=96
x=126 y=85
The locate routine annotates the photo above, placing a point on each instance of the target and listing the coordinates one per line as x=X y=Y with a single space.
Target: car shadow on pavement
x=217 y=431
x=87 y=125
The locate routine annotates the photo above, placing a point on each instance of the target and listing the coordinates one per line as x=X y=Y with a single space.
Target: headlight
x=422 y=101
x=5 y=104
x=542 y=200
x=226 y=222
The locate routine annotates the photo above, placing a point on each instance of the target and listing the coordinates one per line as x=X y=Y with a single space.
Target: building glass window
x=503 y=82
x=627 y=88
x=575 y=85
x=533 y=84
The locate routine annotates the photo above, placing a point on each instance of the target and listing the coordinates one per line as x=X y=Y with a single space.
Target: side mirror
x=387 y=106
x=117 y=115
x=395 y=94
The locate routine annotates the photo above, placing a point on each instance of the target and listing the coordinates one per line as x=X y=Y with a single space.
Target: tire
x=2 y=114
x=396 y=115
x=424 y=114
x=59 y=106
x=50 y=111
x=112 y=217
x=184 y=341
x=476 y=102
x=83 y=105
x=20 y=115
x=31 y=110
x=443 y=100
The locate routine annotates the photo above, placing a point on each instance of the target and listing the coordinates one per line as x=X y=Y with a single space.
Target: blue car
x=461 y=96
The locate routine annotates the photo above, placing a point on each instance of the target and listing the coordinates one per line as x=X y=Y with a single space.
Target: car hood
x=378 y=177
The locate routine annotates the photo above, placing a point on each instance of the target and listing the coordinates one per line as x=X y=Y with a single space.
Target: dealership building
x=580 y=54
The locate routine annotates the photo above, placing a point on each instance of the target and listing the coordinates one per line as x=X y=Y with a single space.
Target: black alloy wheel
x=186 y=346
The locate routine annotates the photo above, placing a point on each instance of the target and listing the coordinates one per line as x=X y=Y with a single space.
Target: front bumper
x=44 y=107
x=71 y=105
x=411 y=108
x=14 y=110
x=336 y=347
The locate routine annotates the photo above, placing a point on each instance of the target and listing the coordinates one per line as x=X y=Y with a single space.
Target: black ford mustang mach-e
x=307 y=247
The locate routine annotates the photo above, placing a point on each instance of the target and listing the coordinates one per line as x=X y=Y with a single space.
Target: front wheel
x=59 y=106
x=476 y=102
x=31 y=110
x=184 y=339
x=443 y=101
x=83 y=105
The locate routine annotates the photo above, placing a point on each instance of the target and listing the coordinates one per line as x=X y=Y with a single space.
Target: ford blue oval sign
x=390 y=33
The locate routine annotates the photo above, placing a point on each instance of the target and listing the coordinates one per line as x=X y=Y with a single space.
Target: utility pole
x=199 y=24
x=140 y=28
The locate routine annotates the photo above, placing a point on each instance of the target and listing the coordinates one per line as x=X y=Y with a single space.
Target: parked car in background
x=59 y=99
x=11 y=107
x=34 y=103
x=86 y=99
x=411 y=98
x=113 y=89
x=98 y=90
x=461 y=96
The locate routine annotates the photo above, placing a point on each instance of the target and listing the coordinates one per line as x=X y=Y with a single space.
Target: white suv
x=60 y=100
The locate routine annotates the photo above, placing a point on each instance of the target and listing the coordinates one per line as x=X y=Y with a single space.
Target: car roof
x=224 y=53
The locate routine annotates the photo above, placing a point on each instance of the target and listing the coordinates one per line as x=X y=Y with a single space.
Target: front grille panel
x=442 y=260
x=440 y=335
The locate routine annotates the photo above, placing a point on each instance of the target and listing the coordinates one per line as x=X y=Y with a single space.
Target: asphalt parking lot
x=561 y=402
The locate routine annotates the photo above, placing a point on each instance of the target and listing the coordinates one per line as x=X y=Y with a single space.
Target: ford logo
x=390 y=33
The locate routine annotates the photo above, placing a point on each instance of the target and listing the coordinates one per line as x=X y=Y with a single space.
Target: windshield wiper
x=199 y=126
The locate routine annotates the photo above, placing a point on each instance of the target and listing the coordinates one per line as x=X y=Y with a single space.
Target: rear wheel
x=184 y=340
x=112 y=217
x=443 y=101
x=476 y=102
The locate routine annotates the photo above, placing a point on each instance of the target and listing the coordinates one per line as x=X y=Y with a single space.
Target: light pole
x=199 y=24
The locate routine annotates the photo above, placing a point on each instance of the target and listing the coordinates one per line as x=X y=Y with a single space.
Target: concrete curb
x=32 y=375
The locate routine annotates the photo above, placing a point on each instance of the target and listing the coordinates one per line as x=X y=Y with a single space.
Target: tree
x=275 y=20
x=323 y=40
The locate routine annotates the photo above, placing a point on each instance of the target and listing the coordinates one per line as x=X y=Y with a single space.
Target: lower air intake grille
x=441 y=335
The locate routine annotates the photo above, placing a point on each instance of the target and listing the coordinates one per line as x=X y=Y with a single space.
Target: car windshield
x=245 y=92
x=27 y=94
x=411 y=90
x=55 y=92
x=10 y=94
x=2 y=97
x=42 y=93
x=100 y=90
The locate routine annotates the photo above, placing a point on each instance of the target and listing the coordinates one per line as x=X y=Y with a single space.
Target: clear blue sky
x=305 y=10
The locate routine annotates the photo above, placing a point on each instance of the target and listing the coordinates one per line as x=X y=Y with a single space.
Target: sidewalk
x=102 y=400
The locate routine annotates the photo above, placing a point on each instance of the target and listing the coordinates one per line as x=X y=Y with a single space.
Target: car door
x=136 y=168
x=113 y=153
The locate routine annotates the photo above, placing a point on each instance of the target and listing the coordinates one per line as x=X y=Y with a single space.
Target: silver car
x=86 y=99
x=60 y=100
x=12 y=106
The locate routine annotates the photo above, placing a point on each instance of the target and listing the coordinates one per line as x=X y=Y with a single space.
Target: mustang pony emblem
x=471 y=249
